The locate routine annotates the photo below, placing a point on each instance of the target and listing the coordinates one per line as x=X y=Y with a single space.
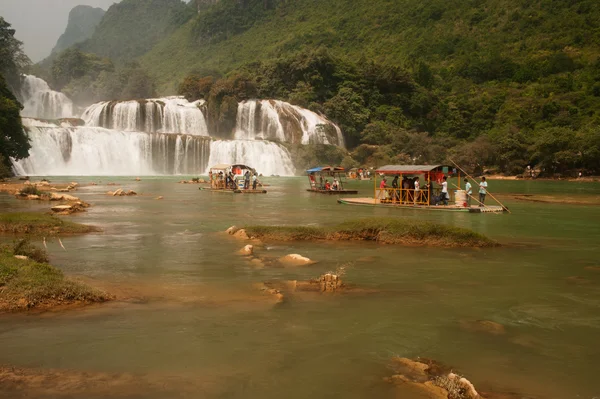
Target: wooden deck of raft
x=447 y=208
x=231 y=191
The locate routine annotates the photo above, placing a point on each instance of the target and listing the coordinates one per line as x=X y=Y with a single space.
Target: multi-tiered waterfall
x=160 y=136
x=40 y=101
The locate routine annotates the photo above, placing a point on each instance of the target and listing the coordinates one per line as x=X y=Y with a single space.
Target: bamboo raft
x=332 y=192
x=447 y=208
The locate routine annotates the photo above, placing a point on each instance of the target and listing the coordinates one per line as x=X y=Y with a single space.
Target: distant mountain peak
x=83 y=21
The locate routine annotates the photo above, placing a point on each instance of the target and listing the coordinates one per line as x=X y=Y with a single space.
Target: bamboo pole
x=494 y=198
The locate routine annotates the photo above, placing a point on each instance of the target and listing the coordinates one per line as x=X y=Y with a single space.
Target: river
x=194 y=321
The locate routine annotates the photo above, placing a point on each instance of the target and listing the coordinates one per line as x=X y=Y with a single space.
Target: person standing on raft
x=469 y=191
x=444 y=195
x=482 y=191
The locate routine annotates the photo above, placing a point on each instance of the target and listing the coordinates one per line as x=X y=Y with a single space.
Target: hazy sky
x=39 y=23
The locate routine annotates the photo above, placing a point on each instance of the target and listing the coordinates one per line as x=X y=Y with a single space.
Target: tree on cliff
x=13 y=138
x=12 y=57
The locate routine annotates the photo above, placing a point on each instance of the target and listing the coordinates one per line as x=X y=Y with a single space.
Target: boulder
x=411 y=369
x=22 y=257
x=257 y=263
x=330 y=282
x=67 y=197
x=63 y=197
x=44 y=183
x=247 y=250
x=63 y=209
x=294 y=259
x=159 y=197
x=33 y=197
x=138 y=179
x=130 y=192
x=241 y=235
x=117 y=192
x=231 y=230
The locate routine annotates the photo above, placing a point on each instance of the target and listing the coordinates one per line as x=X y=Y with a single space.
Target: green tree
x=14 y=142
x=12 y=57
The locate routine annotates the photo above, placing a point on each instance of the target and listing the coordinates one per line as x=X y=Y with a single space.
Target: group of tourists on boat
x=318 y=179
x=233 y=177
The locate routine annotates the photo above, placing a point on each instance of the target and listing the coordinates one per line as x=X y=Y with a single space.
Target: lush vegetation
x=32 y=282
x=487 y=83
x=386 y=231
x=86 y=78
x=39 y=224
x=13 y=138
x=131 y=28
x=82 y=24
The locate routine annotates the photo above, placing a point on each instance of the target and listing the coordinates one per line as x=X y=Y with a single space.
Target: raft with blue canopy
x=327 y=180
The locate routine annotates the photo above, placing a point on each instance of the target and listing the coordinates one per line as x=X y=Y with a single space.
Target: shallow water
x=195 y=318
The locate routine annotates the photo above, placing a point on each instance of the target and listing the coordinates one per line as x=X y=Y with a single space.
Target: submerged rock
x=295 y=260
x=231 y=230
x=159 y=197
x=490 y=327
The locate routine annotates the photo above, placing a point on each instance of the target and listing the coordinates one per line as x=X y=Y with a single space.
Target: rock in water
x=296 y=260
x=22 y=257
x=231 y=230
x=241 y=234
x=490 y=327
x=247 y=250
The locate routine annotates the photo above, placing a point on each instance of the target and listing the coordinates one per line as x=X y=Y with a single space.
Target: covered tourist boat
x=419 y=187
x=236 y=178
x=327 y=180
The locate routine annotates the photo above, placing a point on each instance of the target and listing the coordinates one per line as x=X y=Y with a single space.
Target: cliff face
x=83 y=21
x=130 y=28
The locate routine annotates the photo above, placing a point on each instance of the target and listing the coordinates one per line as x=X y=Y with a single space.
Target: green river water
x=194 y=321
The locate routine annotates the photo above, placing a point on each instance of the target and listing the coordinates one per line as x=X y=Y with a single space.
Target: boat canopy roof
x=224 y=166
x=326 y=169
x=411 y=169
x=221 y=166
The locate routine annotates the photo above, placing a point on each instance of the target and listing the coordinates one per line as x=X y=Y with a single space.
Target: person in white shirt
x=444 y=196
x=417 y=190
x=469 y=191
x=482 y=191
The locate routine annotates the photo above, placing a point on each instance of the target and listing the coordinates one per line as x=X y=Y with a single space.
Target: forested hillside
x=490 y=83
x=131 y=28
x=501 y=83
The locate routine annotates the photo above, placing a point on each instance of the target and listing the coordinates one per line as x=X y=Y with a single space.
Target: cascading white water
x=162 y=115
x=278 y=120
x=161 y=136
x=39 y=101
x=88 y=151
x=266 y=157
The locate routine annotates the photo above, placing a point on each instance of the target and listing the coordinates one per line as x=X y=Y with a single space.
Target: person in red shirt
x=327 y=185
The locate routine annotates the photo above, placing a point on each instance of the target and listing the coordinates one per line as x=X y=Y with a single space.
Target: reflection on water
x=193 y=323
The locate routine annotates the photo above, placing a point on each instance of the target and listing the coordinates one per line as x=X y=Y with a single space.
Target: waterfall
x=266 y=157
x=160 y=136
x=161 y=115
x=278 y=120
x=90 y=151
x=39 y=101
